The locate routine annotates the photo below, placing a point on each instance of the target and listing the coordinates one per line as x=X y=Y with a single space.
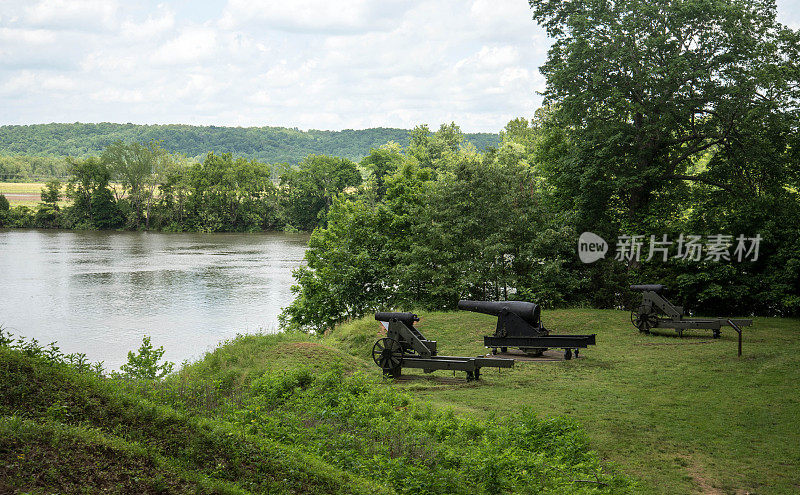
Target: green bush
x=145 y=364
x=21 y=217
x=361 y=424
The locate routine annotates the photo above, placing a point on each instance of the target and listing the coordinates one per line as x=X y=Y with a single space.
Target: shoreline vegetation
x=142 y=186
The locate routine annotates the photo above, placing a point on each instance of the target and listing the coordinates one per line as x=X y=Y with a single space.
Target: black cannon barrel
x=528 y=311
x=647 y=287
x=407 y=318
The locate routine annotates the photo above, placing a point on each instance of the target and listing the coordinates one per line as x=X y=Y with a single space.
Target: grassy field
x=683 y=415
x=22 y=193
x=650 y=414
x=28 y=193
x=62 y=431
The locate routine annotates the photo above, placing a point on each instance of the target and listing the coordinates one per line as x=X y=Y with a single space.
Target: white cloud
x=304 y=63
x=192 y=45
x=112 y=95
x=60 y=83
x=27 y=36
x=310 y=64
x=490 y=58
x=19 y=82
x=81 y=15
x=312 y=15
x=156 y=24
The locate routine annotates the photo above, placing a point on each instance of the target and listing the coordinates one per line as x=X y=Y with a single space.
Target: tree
x=93 y=203
x=138 y=167
x=356 y=263
x=310 y=188
x=676 y=116
x=649 y=90
x=435 y=149
x=145 y=365
x=230 y=195
x=472 y=236
x=382 y=162
x=173 y=192
x=51 y=194
x=5 y=206
x=48 y=211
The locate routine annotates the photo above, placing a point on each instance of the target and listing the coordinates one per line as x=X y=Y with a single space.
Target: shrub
x=145 y=365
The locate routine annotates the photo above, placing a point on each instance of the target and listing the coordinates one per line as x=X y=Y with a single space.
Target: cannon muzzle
x=407 y=318
x=657 y=288
x=528 y=311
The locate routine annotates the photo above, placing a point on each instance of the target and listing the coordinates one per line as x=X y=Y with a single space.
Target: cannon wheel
x=388 y=354
x=642 y=319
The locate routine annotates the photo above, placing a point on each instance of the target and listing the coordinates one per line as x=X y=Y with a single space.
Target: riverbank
x=285 y=413
x=677 y=415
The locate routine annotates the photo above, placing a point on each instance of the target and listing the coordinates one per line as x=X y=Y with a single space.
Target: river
x=100 y=292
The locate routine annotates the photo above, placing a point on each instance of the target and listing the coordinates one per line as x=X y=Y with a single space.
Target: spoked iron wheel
x=388 y=354
x=643 y=319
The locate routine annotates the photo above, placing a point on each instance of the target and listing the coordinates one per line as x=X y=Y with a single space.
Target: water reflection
x=98 y=292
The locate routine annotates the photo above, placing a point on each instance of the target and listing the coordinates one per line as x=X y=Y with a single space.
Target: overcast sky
x=312 y=64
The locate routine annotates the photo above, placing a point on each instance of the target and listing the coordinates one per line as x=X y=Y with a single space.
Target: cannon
x=519 y=325
x=405 y=346
x=656 y=311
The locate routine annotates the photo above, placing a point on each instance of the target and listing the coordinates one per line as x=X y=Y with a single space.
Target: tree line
x=24 y=149
x=140 y=186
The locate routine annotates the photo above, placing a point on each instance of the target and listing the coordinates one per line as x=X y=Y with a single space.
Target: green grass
x=42 y=456
x=681 y=415
x=54 y=418
x=287 y=413
x=297 y=413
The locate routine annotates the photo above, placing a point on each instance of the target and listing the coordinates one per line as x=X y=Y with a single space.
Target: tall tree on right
x=663 y=96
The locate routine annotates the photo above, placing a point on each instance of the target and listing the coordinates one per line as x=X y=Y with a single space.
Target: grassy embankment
x=269 y=414
x=266 y=413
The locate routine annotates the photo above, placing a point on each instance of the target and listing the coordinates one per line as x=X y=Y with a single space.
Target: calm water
x=99 y=292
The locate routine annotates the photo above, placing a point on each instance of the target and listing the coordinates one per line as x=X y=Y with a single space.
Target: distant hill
x=267 y=144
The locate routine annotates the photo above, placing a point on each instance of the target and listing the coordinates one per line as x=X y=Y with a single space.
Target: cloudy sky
x=312 y=64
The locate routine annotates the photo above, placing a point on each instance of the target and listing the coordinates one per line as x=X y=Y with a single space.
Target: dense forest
x=38 y=150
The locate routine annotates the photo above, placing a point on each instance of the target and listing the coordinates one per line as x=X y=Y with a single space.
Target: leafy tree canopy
x=656 y=93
